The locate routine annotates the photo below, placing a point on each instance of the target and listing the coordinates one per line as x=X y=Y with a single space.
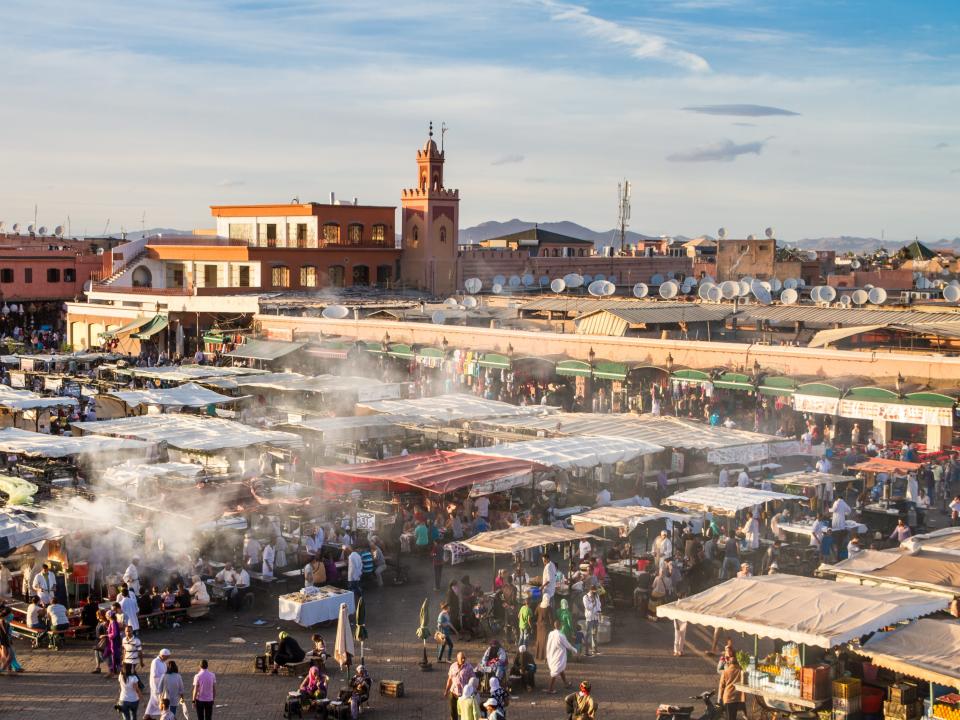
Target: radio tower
x=623 y=196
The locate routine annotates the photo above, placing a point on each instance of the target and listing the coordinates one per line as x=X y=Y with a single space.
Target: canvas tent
x=19 y=400
x=622 y=517
x=570 y=453
x=519 y=539
x=453 y=407
x=32 y=444
x=926 y=649
x=18 y=530
x=725 y=500
x=798 y=609
x=187 y=395
x=352 y=429
x=920 y=570
x=265 y=350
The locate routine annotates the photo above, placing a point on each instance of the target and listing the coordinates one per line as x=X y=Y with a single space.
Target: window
x=331 y=234
x=6 y=275
x=355 y=233
x=178 y=277
x=415 y=236
x=556 y=253
x=69 y=275
x=580 y=252
x=280 y=276
x=361 y=275
x=380 y=234
x=335 y=275
x=209 y=275
x=53 y=275
x=301 y=235
x=240 y=231
x=744 y=248
x=443 y=234
x=243 y=276
x=271 y=234
x=28 y=275
x=308 y=276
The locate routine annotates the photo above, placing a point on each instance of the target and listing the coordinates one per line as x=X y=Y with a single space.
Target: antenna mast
x=623 y=220
x=443 y=133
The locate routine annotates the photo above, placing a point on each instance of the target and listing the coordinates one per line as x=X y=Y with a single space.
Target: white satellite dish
x=722 y=233
x=801 y=282
x=640 y=290
x=859 y=297
x=544 y=281
x=58 y=230
x=335 y=312
x=608 y=288
x=729 y=289
x=815 y=293
x=527 y=280
x=451 y=302
x=515 y=281
x=751 y=237
x=558 y=285
x=438 y=317
x=496 y=289
x=499 y=280
x=30 y=229
x=708 y=278
x=596 y=288
x=827 y=293
x=573 y=280
x=951 y=293
x=877 y=296
x=473 y=285
x=762 y=295
x=656 y=279
x=846 y=301
x=599 y=276
x=470 y=302
x=789 y=283
x=855 y=264
x=868 y=287
x=16 y=228
x=777 y=286
x=669 y=290
x=42 y=230
x=789 y=296
x=743 y=288
x=703 y=292
x=769 y=232
x=715 y=294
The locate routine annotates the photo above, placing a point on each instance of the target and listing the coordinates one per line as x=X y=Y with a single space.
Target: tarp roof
x=190 y=432
x=184 y=373
x=264 y=349
x=825 y=337
x=18 y=529
x=926 y=649
x=571 y=452
x=801 y=609
x=437 y=472
x=353 y=429
x=187 y=395
x=622 y=517
x=130 y=327
x=518 y=539
x=924 y=569
x=454 y=407
x=19 y=400
x=809 y=479
x=24 y=442
x=130 y=473
x=726 y=499
x=156 y=324
x=945 y=540
x=878 y=465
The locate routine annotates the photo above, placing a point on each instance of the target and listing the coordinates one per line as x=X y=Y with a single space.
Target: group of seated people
x=46 y=617
x=235 y=584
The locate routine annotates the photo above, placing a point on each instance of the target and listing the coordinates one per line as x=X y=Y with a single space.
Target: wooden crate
x=846 y=688
x=903 y=693
x=391 y=688
x=815 y=682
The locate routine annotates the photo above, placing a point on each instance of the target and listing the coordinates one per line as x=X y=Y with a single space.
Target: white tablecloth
x=807 y=528
x=310 y=613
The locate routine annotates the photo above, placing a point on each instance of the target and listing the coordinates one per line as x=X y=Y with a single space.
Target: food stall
x=314 y=605
x=802 y=613
x=886 y=482
x=921 y=570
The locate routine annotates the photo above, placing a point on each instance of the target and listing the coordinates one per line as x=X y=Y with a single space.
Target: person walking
x=113 y=650
x=679 y=637
x=158 y=670
x=458 y=676
x=727 y=693
x=172 y=690
x=581 y=705
x=445 y=627
x=557 y=648
x=129 y=700
x=204 y=691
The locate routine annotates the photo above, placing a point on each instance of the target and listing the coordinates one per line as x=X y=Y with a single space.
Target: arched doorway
x=142 y=277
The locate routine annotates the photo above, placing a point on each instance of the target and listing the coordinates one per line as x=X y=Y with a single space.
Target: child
x=579 y=638
x=319 y=651
x=165 y=712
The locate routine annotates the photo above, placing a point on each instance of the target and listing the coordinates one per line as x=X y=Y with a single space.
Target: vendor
x=198 y=592
x=288 y=652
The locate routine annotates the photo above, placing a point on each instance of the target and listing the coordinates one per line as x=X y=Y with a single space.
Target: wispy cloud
x=955 y=171
x=740 y=110
x=231 y=183
x=722 y=151
x=508 y=160
x=745 y=124
x=941 y=146
x=641 y=45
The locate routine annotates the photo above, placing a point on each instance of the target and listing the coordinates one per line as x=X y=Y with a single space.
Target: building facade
x=35 y=268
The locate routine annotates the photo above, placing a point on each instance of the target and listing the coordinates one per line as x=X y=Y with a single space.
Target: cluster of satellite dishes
x=31 y=229
x=722 y=234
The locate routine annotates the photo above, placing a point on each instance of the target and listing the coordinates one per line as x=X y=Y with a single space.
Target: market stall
x=925 y=570
x=453 y=407
x=312 y=606
x=29 y=410
x=119 y=403
x=927 y=649
x=572 y=452
x=727 y=501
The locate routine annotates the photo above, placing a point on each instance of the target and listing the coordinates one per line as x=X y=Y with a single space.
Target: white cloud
x=511 y=159
x=722 y=151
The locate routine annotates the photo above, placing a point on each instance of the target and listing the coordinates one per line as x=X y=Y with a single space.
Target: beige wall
x=775 y=359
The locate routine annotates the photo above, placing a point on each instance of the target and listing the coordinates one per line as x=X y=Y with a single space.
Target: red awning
x=878 y=465
x=437 y=472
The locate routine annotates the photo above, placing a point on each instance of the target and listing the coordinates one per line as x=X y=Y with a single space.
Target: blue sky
x=815 y=117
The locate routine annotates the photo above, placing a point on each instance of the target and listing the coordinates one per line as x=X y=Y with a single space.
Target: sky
x=815 y=117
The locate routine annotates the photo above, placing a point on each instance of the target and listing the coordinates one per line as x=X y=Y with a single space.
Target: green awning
x=431 y=352
x=372 y=347
x=930 y=399
x=494 y=360
x=158 y=323
x=606 y=370
x=126 y=329
x=214 y=338
x=694 y=375
x=873 y=394
x=399 y=350
x=733 y=381
x=777 y=385
x=820 y=389
x=573 y=368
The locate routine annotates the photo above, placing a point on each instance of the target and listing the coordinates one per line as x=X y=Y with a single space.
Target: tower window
x=436 y=181
x=443 y=235
x=415 y=237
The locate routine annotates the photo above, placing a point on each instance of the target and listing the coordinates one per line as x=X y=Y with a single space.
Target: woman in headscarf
x=524 y=667
x=453 y=603
x=113 y=652
x=545 y=620
x=288 y=651
x=314 y=686
x=566 y=619
x=499 y=695
x=467 y=706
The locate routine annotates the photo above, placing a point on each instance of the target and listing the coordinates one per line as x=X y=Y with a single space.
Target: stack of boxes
x=846 y=699
x=903 y=703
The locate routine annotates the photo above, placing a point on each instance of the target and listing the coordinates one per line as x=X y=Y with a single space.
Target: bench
x=300 y=668
x=54 y=637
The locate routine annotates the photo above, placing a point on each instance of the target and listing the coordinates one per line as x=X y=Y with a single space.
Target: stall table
x=323 y=607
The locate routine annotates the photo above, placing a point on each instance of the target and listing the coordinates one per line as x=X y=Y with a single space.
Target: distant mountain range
x=493 y=229
x=859 y=245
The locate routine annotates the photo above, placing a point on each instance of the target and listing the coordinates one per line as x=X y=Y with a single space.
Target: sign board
x=739 y=455
x=816 y=404
x=366 y=520
x=676 y=461
x=71 y=389
x=52 y=383
x=523 y=479
x=895 y=412
x=26 y=364
x=18 y=380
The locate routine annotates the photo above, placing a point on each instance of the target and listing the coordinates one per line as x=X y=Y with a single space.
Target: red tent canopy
x=436 y=472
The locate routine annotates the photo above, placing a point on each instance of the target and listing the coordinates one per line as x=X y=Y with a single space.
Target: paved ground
x=631 y=677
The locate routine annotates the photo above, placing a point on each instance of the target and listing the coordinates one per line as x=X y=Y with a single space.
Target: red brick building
x=35 y=268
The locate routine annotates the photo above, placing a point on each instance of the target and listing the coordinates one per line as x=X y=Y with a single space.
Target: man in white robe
x=131 y=576
x=839 y=513
x=557 y=648
x=251 y=550
x=269 y=559
x=548 y=582
x=158 y=668
x=44 y=584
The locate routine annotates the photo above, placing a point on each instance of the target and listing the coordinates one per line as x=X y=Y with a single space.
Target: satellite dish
x=789 y=296
x=608 y=288
x=30 y=229
x=877 y=296
x=16 y=228
x=703 y=292
x=769 y=232
x=827 y=293
x=640 y=290
x=451 y=302
x=801 y=282
x=596 y=288
x=499 y=280
x=527 y=280
x=613 y=279
x=815 y=293
x=811 y=254
x=497 y=288
x=762 y=295
x=671 y=275
x=587 y=279
x=707 y=277
x=558 y=285
x=722 y=233
x=599 y=276
x=656 y=279
x=42 y=230
x=438 y=317
x=544 y=280
x=743 y=288
x=335 y=312
x=470 y=302
x=868 y=287
x=859 y=297
x=855 y=264
x=729 y=289
x=846 y=301
x=573 y=280
x=669 y=290
x=58 y=230
x=751 y=237
x=515 y=281
x=951 y=293
x=473 y=285
x=789 y=283
x=715 y=294
x=777 y=286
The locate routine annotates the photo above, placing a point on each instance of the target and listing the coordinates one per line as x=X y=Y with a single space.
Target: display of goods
x=848 y=705
x=902 y=711
x=846 y=688
x=946 y=712
x=903 y=693
x=871 y=700
x=815 y=682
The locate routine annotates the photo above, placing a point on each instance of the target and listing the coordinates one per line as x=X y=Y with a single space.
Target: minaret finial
x=431 y=128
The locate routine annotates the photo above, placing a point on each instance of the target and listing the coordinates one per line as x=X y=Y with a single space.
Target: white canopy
x=19 y=400
x=727 y=500
x=18 y=529
x=131 y=473
x=800 y=609
x=453 y=407
x=622 y=517
x=184 y=373
x=810 y=479
x=188 y=395
x=516 y=540
x=24 y=442
x=573 y=452
x=945 y=540
x=190 y=432
x=353 y=428
x=927 y=650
